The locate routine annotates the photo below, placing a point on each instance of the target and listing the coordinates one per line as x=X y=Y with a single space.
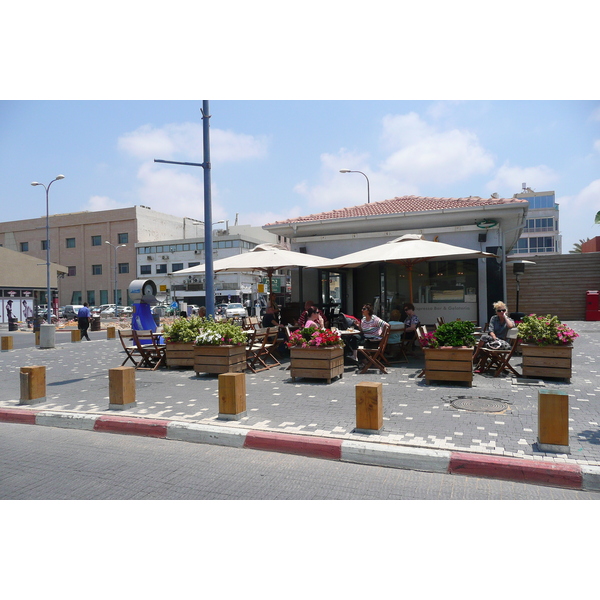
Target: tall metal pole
x=208 y=240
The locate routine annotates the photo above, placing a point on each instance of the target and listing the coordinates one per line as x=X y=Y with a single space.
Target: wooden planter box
x=219 y=359
x=179 y=354
x=449 y=364
x=547 y=361
x=317 y=363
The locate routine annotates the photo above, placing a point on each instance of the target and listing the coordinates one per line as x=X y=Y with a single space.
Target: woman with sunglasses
x=498 y=329
x=371 y=326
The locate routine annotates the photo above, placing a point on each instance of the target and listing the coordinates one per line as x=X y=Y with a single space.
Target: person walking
x=83 y=321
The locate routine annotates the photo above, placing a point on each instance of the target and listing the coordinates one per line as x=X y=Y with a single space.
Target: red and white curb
x=563 y=475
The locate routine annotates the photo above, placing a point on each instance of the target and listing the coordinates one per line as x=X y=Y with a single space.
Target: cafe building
x=464 y=288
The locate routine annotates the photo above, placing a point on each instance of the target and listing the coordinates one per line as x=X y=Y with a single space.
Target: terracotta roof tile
x=400 y=205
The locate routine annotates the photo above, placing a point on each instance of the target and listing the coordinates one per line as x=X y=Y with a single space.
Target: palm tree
x=577 y=247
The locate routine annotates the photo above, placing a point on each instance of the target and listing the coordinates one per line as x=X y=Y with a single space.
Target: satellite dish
x=495 y=195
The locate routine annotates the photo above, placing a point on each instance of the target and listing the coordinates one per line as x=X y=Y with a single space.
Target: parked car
x=97 y=310
x=110 y=311
x=235 y=310
x=71 y=310
x=220 y=308
x=127 y=310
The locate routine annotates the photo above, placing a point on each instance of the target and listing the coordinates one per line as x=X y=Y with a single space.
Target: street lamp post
x=208 y=264
x=368 y=187
x=116 y=247
x=48 y=296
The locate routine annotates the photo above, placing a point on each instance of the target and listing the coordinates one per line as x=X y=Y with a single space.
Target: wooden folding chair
x=270 y=348
x=152 y=354
x=395 y=351
x=131 y=350
x=498 y=359
x=374 y=356
x=256 y=350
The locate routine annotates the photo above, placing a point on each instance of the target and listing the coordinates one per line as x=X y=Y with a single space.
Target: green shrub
x=455 y=333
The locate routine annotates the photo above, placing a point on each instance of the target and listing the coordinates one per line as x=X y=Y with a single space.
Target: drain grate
x=479 y=404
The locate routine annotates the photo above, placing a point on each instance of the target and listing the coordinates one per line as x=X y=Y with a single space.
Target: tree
x=577 y=247
x=597 y=221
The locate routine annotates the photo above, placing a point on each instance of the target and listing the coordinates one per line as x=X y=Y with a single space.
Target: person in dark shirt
x=83 y=321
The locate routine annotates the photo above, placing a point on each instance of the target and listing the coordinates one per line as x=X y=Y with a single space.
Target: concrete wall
x=555 y=285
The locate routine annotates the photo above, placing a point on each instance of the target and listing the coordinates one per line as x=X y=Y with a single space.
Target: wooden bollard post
x=121 y=388
x=7 y=343
x=111 y=333
x=75 y=335
x=33 y=385
x=232 y=396
x=369 y=407
x=37 y=337
x=553 y=421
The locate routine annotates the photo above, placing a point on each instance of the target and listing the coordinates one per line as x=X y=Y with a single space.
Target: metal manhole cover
x=479 y=404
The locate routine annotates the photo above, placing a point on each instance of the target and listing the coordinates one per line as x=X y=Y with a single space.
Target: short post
x=553 y=421
x=37 y=337
x=7 y=343
x=47 y=336
x=369 y=407
x=111 y=333
x=232 y=396
x=75 y=335
x=121 y=388
x=33 y=385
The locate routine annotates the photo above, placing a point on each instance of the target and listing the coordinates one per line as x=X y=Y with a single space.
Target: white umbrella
x=406 y=250
x=265 y=258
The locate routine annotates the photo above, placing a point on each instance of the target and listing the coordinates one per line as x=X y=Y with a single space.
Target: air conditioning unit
x=150 y=257
x=164 y=257
x=198 y=251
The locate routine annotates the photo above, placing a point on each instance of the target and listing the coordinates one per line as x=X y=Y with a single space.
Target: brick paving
x=415 y=414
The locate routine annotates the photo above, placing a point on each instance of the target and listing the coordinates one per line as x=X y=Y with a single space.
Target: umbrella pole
x=410 y=285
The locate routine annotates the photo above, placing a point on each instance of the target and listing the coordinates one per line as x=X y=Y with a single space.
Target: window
x=176 y=266
x=96 y=269
x=76 y=298
x=96 y=240
x=24 y=246
x=123 y=267
x=161 y=268
x=193 y=264
x=103 y=296
x=72 y=271
x=44 y=244
x=145 y=270
x=70 y=242
x=123 y=238
x=91 y=297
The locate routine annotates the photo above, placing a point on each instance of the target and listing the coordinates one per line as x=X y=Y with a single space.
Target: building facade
x=462 y=289
x=161 y=261
x=541 y=234
x=97 y=248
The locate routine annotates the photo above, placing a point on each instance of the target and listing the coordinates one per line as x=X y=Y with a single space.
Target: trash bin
x=156 y=319
x=13 y=325
x=95 y=324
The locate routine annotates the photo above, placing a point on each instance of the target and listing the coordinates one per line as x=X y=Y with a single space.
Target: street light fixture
x=116 y=247
x=48 y=297
x=368 y=187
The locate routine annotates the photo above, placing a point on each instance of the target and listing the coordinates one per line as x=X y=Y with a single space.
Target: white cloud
x=509 y=179
x=597 y=145
x=184 y=141
x=577 y=215
x=423 y=154
x=103 y=203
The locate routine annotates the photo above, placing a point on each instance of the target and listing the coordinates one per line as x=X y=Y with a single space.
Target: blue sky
x=274 y=160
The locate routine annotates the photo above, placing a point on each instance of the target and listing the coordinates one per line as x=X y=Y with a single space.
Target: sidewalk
x=422 y=428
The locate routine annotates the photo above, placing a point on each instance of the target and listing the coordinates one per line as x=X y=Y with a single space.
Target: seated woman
x=302 y=318
x=395 y=332
x=498 y=329
x=313 y=318
x=371 y=326
x=411 y=323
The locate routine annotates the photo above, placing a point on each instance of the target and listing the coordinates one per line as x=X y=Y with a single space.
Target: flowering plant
x=313 y=337
x=545 y=331
x=220 y=333
x=428 y=340
x=182 y=329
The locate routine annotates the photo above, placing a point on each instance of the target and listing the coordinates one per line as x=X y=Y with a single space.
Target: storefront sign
x=451 y=311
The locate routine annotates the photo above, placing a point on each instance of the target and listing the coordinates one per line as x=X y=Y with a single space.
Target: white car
x=235 y=310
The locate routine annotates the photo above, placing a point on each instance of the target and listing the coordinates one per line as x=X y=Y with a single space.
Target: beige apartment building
x=79 y=242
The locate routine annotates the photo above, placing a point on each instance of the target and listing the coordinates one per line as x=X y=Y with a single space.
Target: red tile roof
x=400 y=205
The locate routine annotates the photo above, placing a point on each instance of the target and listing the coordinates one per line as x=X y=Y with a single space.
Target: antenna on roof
x=524 y=186
x=495 y=195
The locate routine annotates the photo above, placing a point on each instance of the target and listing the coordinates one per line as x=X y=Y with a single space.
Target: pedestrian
x=83 y=321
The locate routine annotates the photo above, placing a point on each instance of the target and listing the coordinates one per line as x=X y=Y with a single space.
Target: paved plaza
x=415 y=414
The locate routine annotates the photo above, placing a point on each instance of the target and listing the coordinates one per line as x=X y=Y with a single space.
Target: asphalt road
x=45 y=463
